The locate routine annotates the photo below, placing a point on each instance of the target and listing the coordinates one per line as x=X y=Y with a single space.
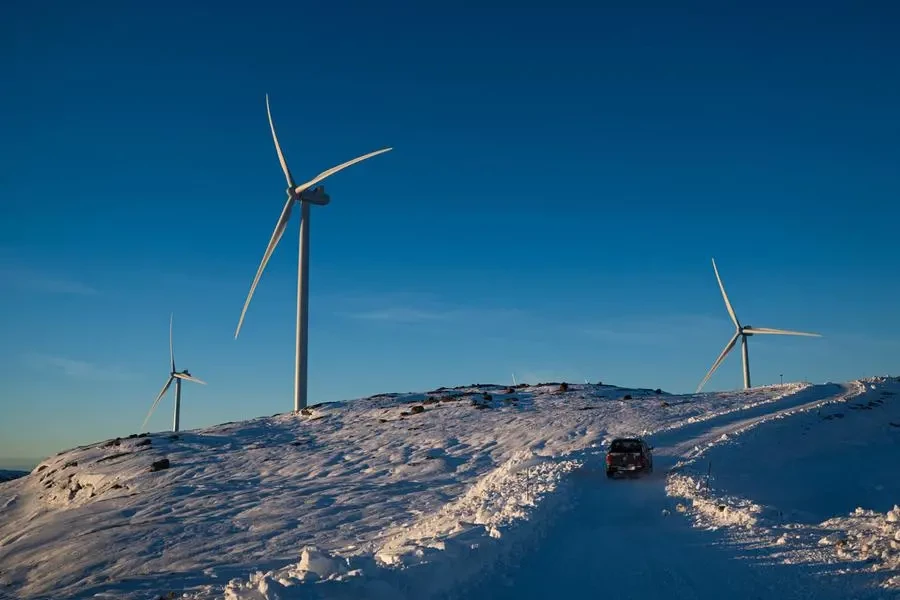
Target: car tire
x=610 y=474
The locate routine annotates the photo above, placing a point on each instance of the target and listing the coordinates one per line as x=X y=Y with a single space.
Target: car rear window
x=625 y=446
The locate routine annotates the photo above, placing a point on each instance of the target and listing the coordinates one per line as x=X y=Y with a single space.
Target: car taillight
x=608 y=459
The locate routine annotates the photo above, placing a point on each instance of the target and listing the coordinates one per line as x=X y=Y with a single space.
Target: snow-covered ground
x=816 y=486
x=395 y=496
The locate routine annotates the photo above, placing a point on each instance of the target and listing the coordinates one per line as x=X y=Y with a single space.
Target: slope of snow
x=404 y=495
x=365 y=480
x=435 y=555
x=795 y=486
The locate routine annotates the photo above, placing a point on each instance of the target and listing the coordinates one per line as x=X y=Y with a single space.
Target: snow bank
x=438 y=553
x=870 y=537
x=865 y=536
x=499 y=499
x=709 y=508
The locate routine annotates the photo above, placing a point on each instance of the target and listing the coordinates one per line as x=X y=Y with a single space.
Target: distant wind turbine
x=177 y=377
x=305 y=195
x=743 y=332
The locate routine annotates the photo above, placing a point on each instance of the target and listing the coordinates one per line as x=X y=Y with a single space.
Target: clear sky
x=562 y=175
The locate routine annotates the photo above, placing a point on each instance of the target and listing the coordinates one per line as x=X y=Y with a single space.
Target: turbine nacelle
x=314 y=195
x=747 y=330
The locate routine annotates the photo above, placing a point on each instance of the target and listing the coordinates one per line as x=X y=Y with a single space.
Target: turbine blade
x=770 y=331
x=719 y=360
x=324 y=174
x=725 y=296
x=273 y=242
x=189 y=378
x=155 y=402
x=284 y=167
x=171 y=346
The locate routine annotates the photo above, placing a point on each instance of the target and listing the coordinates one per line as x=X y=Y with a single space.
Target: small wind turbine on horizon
x=305 y=195
x=743 y=332
x=175 y=376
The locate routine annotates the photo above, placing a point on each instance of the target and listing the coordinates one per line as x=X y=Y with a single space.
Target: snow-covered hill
x=9 y=475
x=393 y=496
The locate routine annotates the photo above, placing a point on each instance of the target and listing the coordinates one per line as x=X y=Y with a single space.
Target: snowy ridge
x=395 y=496
x=867 y=537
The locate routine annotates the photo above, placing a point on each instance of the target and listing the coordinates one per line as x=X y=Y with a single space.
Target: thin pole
x=177 y=419
x=746 y=357
x=302 y=342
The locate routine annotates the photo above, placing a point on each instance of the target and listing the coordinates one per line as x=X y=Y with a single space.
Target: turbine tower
x=305 y=195
x=743 y=332
x=177 y=377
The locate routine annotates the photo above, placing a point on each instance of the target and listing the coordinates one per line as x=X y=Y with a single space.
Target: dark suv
x=629 y=455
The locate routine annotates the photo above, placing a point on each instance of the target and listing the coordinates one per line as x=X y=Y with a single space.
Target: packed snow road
x=617 y=542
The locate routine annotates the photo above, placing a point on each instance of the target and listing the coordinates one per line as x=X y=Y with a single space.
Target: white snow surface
x=357 y=499
x=795 y=485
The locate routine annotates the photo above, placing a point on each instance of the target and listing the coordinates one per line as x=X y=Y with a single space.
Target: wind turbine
x=305 y=195
x=177 y=377
x=743 y=332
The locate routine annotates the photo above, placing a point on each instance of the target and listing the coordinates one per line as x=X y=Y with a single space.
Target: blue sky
x=562 y=175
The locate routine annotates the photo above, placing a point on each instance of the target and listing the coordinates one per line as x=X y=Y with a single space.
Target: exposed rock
x=159 y=465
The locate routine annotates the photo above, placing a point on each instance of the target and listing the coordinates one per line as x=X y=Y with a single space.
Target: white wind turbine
x=177 y=377
x=743 y=332
x=305 y=195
